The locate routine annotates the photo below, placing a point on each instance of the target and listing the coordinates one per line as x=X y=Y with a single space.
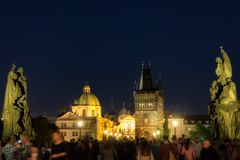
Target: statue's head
x=20 y=70
x=219 y=60
x=12 y=75
x=13 y=66
x=219 y=69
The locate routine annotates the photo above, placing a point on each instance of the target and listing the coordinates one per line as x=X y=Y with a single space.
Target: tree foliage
x=43 y=130
x=200 y=131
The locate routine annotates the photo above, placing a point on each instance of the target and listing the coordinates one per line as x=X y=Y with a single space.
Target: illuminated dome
x=87 y=98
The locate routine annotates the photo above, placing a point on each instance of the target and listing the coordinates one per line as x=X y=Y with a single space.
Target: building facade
x=149 y=105
x=126 y=124
x=84 y=118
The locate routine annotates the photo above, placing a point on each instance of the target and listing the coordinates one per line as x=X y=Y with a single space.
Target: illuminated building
x=126 y=125
x=184 y=124
x=149 y=105
x=86 y=109
x=85 y=117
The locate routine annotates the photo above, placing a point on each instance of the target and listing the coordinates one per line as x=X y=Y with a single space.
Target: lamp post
x=158 y=134
x=105 y=132
x=80 y=124
x=175 y=124
x=154 y=135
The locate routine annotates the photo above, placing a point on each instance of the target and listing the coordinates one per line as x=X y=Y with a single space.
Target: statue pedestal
x=226 y=119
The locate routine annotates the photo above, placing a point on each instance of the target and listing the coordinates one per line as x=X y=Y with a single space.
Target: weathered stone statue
x=224 y=104
x=16 y=118
x=165 y=125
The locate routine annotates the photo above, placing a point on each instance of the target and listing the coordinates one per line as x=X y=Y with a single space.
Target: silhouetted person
x=60 y=148
x=208 y=152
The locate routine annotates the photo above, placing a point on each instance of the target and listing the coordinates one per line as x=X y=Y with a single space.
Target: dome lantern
x=86 y=89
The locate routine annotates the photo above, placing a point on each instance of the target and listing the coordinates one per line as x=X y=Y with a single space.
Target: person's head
x=25 y=139
x=183 y=136
x=174 y=137
x=196 y=139
x=227 y=140
x=222 y=148
x=56 y=136
x=187 y=143
x=46 y=144
x=72 y=140
x=107 y=145
x=8 y=140
x=206 y=144
x=90 y=144
x=144 y=143
x=165 y=137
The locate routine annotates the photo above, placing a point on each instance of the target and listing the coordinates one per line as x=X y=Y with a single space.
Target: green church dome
x=87 y=98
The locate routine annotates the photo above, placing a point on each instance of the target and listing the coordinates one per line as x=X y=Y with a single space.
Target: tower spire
x=142 y=64
x=149 y=64
x=145 y=80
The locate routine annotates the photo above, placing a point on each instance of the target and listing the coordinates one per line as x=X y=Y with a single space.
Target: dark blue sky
x=63 y=44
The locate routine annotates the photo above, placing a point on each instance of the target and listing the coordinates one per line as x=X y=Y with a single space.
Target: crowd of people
x=180 y=148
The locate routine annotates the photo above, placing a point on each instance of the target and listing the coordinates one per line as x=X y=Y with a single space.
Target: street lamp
x=154 y=134
x=105 y=133
x=80 y=124
x=175 y=124
x=110 y=133
x=158 y=134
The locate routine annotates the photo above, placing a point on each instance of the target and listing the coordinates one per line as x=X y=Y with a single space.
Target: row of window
x=73 y=133
x=146 y=98
x=200 y=122
x=64 y=125
x=75 y=125
x=144 y=104
x=84 y=114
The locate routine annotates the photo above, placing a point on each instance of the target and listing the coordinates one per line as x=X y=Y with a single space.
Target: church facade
x=84 y=119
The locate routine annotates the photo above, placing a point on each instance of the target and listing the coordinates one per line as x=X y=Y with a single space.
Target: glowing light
x=110 y=133
x=154 y=134
x=80 y=123
x=158 y=132
x=105 y=132
x=175 y=123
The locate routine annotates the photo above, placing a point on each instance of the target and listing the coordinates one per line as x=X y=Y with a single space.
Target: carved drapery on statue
x=16 y=118
x=224 y=104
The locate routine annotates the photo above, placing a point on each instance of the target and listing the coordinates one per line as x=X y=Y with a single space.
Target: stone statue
x=16 y=118
x=224 y=104
x=165 y=125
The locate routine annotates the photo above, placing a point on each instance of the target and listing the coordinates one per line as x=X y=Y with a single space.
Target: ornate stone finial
x=142 y=64
x=221 y=47
x=149 y=64
x=13 y=66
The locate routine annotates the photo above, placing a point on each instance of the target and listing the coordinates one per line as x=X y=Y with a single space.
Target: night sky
x=63 y=44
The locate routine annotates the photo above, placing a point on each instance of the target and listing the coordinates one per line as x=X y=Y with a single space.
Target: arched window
x=84 y=113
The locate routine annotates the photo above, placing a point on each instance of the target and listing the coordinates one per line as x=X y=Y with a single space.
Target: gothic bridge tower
x=149 y=105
